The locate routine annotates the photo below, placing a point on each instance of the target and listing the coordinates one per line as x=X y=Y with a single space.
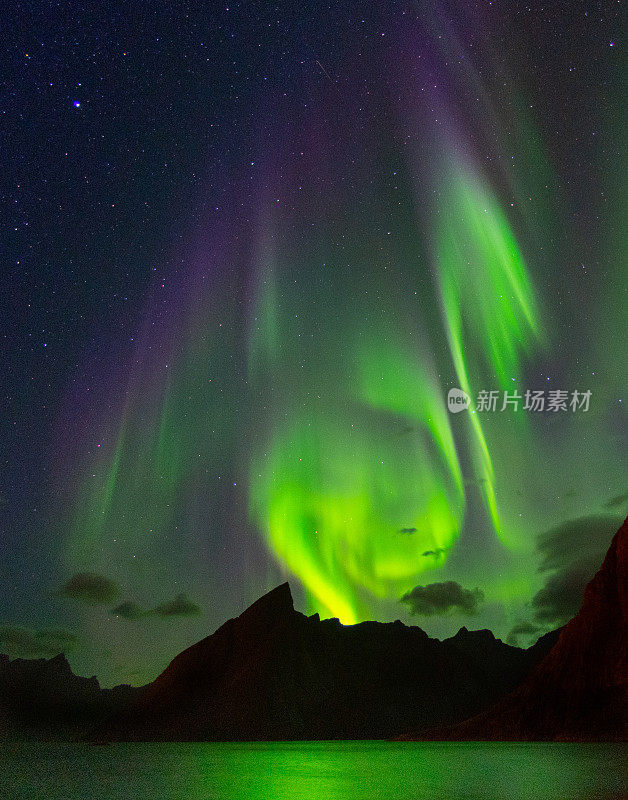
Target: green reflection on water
x=320 y=770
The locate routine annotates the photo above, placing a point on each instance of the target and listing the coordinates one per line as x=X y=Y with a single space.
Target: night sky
x=247 y=250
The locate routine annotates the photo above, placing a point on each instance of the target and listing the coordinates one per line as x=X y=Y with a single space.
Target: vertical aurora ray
x=152 y=459
x=128 y=494
x=488 y=303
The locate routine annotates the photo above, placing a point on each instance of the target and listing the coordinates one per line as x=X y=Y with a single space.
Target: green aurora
x=282 y=411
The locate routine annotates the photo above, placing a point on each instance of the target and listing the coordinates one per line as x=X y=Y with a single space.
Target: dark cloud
x=571 y=554
x=181 y=606
x=408 y=530
x=561 y=597
x=24 y=643
x=441 y=598
x=128 y=610
x=618 y=501
x=436 y=552
x=90 y=588
x=585 y=537
x=525 y=629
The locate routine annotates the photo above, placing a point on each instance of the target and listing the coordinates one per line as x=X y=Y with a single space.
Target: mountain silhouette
x=43 y=698
x=273 y=673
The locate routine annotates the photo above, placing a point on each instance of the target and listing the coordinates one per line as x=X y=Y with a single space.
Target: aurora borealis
x=266 y=244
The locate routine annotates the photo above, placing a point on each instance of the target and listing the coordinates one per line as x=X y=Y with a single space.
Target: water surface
x=313 y=771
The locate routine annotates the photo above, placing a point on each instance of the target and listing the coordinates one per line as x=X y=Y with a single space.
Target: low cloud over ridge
x=443 y=598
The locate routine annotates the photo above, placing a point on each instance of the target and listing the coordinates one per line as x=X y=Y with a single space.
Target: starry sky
x=247 y=251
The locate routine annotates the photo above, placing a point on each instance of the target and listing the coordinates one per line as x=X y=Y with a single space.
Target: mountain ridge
x=274 y=673
x=43 y=698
